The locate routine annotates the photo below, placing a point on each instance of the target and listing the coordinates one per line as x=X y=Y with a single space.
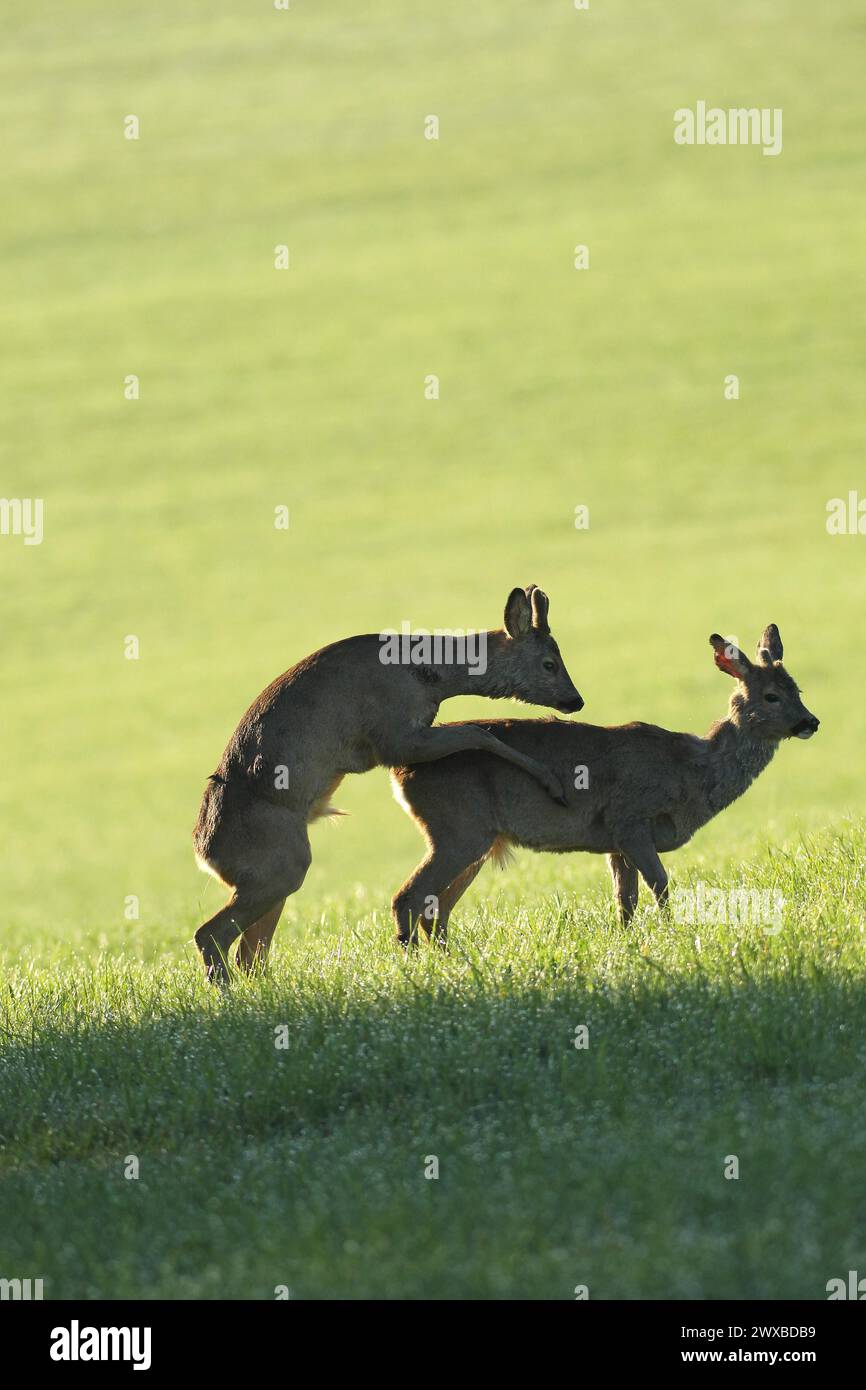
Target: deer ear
x=518 y=614
x=540 y=605
x=729 y=658
x=770 y=646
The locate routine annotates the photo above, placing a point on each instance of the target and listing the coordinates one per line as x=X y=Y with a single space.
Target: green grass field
x=259 y=388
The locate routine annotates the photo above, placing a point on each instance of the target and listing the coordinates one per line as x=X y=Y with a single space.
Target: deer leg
x=449 y=899
x=214 y=938
x=419 y=901
x=268 y=859
x=431 y=744
x=645 y=859
x=255 y=942
x=625 y=886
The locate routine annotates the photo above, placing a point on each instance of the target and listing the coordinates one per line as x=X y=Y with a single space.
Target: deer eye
x=771 y=699
x=549 y=665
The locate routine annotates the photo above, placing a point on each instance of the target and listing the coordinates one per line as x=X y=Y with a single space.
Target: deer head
x=766 y=703
x=535 y=667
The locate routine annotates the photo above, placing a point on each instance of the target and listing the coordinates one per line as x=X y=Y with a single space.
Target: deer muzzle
x=571 y=706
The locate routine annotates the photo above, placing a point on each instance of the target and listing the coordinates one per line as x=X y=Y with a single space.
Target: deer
x=635 y=791
x=349 y=707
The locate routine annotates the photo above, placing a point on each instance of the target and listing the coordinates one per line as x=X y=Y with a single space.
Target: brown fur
x=338 y=711
x=649 y=790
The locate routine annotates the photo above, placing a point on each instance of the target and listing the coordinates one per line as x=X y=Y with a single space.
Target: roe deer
x=343 y=710
x=647 y=790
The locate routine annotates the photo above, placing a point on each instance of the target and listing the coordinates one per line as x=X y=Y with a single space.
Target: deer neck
x=484 y=667
x=737 y=757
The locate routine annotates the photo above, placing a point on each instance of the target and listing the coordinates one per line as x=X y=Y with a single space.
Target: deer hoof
x=555 y=791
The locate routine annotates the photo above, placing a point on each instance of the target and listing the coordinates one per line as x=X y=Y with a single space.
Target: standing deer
x=647 y=790
x=345 y=709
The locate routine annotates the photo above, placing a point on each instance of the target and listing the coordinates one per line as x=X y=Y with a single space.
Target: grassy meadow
x=304 y=1165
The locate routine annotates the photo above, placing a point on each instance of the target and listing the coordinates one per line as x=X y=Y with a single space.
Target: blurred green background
x=306 y=388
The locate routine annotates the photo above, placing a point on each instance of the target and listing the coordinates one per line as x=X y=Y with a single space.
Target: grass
x=306 y=389
x=304 y=1164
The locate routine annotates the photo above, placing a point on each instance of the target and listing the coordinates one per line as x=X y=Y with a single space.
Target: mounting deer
x=635 y=790
x=350 y=707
